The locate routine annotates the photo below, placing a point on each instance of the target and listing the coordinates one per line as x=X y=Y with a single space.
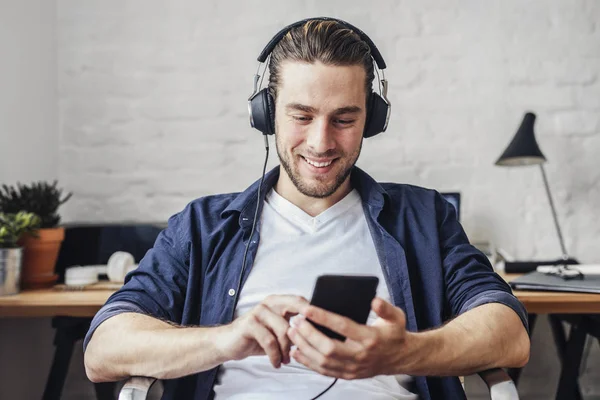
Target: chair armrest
x=500 y=385
x=136 y=388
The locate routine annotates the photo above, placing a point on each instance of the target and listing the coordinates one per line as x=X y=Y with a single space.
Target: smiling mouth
x=318 y=164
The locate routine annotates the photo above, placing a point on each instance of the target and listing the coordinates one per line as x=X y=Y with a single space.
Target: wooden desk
x=70 y=306
x=71 y=313
x=581 y=311
x=538 y=302
x=52 y=303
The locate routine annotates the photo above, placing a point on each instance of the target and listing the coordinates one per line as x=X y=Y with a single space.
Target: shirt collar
x=245 y=202
x=370 y=192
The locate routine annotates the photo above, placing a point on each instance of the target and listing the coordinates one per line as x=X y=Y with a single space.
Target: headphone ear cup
x=376 y=116
x=271 y=109
x=262 y=111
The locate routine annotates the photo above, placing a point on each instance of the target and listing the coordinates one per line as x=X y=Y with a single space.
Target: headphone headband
x=261 y=105
x=273 y=42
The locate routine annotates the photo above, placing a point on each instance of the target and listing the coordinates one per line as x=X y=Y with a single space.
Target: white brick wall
x=153 y=106
x=28 y=98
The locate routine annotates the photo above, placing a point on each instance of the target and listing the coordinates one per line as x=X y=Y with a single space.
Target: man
x=440 y=310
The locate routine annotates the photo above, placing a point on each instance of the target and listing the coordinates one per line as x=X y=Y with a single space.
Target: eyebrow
x=309 y=109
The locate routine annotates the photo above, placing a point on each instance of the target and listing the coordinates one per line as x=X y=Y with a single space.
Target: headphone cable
x=325 y=391
x=258 y=200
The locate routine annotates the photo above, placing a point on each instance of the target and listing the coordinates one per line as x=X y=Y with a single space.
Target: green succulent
x=40 y=198
x=12 y=226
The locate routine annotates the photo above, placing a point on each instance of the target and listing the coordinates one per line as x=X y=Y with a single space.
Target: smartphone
x=347 y=295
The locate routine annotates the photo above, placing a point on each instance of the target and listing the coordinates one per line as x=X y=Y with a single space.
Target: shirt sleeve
x=107 y=311
x=157 y=287
x=470 y=279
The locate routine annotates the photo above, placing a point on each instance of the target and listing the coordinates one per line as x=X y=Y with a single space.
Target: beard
x=321 y=188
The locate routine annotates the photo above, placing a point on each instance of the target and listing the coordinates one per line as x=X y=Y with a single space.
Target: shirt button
x=231 y=292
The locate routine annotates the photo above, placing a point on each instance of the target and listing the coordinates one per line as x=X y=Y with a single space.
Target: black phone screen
x=347 y=295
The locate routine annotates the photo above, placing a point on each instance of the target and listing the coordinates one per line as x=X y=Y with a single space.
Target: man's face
x=319 y=122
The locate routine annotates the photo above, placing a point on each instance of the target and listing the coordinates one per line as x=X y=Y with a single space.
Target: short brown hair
x=326 y=41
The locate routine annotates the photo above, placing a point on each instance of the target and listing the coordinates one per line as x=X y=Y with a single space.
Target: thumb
x=387 y=311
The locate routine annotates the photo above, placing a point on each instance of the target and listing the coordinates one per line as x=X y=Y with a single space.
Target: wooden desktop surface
x=539 y=302
x=85 y=303
x=51 y=303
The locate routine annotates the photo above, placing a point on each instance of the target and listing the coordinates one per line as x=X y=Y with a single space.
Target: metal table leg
x=68 y=331
x=105 y=390
x=568 y=385
x=560 y=341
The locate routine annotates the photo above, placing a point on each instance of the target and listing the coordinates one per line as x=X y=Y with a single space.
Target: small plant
x=12 y=226
x=39 y=198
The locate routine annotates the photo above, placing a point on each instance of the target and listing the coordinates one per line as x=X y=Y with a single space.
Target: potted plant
x=12 y=227
x=40 y=251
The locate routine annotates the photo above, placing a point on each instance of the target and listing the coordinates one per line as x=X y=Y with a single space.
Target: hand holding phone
x=346 y=295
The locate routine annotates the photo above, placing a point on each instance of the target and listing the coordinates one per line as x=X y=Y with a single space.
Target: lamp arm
x=558 y=231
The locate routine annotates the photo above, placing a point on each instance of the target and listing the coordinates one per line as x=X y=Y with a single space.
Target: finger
x=287 y=305
x=279 y=327
x=314 y=357
x=265 y=338
x=342 y=373
x=345 y=351
x=388 y=311
x=338 y=323
x=299 y=356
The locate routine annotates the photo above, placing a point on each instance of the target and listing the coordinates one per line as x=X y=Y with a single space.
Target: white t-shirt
x=294 y=250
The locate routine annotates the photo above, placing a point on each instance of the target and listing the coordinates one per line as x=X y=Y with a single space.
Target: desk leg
x=568 y=385
x=105 y=390
x=515 y=373
x=560 y=341
x=68 y=331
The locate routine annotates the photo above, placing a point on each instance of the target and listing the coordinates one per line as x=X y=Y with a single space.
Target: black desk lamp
x=524 y=150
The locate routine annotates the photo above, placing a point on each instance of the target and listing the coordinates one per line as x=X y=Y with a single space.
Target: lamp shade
x=523 y=150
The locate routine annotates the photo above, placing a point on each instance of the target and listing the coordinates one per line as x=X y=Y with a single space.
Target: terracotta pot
x=39 y=258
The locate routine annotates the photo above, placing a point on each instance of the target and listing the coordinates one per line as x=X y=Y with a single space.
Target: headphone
x=261 y=105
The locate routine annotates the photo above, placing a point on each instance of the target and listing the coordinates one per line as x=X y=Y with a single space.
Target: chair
x=500 y=385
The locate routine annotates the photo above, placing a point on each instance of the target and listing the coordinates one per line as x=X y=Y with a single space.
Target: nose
x=320 y=136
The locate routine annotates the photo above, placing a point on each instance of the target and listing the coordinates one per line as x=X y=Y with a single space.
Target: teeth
x=317 y=164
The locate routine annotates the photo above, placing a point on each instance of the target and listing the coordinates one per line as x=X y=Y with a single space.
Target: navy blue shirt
x=432 y=272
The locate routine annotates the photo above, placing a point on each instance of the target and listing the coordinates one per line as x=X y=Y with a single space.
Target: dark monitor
x=454 y=199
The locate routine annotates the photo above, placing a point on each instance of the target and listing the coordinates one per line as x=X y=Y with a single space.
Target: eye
x=344 y=121
x=302 y=118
